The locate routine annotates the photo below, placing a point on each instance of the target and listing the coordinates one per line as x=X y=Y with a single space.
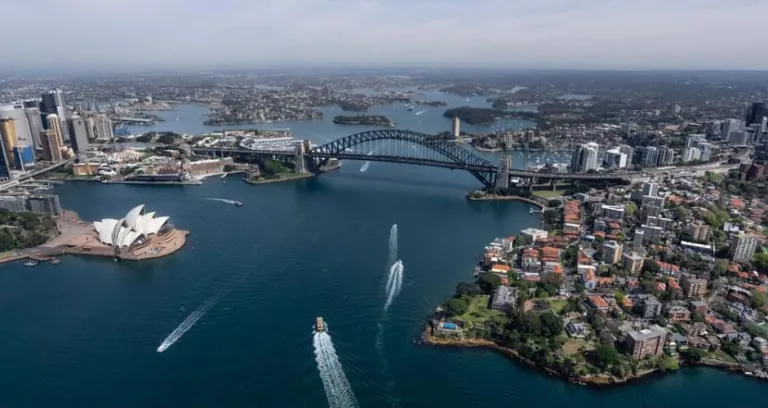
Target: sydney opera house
x=134 y=228
x=139 y=235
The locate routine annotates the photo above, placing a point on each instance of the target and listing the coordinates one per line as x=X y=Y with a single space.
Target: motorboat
x=319 y=324
x=237 y=204
x=31 y=263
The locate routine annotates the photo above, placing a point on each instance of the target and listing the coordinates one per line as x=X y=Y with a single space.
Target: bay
x=85 y=332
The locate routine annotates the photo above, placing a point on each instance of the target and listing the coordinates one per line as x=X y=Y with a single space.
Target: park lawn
x=6 y=254
x=572 y=346
x=557 y=305
x=722 y=355
x=549 y=193
x=478 y=311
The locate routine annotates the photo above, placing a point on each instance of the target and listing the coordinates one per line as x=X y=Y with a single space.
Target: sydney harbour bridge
x=408 y=147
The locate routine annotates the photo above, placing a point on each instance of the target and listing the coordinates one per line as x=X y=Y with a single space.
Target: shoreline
x=502 y=198
x=278 y=180
x=596 y=381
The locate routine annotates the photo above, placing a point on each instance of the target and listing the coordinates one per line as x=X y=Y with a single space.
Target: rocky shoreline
x=599 y=381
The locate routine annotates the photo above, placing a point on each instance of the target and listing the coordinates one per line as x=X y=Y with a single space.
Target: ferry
x=319 y=324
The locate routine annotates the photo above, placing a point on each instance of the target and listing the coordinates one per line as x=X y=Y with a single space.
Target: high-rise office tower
x=728 y=127
x=5 y=169
x=35 y=124
x=8 y=133
x=78 y=134
x=54 y=124
x=584 y=158
x=103 y=127
x=23 y=150
x=51 y=146
x=456 y=127
x=502 y=174
x=53 y=103
x=756 y=113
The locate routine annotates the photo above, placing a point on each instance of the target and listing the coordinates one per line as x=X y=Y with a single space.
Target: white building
x=615 y=159
x=691 y=154
x=584 y=158
x=133 y=228
x=743 y=247
x=533 y=234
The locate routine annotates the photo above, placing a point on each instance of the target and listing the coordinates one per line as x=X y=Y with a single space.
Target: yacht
x=319 y=324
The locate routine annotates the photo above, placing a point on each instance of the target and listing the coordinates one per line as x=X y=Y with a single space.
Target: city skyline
x=550 y=34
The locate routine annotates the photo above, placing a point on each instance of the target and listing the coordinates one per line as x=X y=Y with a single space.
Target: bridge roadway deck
x=406 y=160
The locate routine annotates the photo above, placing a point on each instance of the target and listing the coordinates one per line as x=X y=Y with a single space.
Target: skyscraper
x=502 y=174
x=456 y=127
x=727 y=127
x=78 y=134
x=103 y=127
x=5 y=170
x=756 y=113
x=51 y=147
x=19 y=141
x=55 y=125
x=584 y=158
x=53 y=103
x=35 y=124
x=8 y=133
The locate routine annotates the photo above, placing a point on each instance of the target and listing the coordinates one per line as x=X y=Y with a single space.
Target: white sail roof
x=124 y=232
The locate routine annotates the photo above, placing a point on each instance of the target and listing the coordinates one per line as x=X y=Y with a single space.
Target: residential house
x=504 y=298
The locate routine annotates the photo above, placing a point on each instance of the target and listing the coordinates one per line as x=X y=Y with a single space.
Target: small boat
x=319 y=324
x=31 y=263
x=54 y=261
x=237 y=203
x=223 y=176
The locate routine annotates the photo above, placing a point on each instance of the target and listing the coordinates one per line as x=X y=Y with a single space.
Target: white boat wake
x=394 y=283
x=367 y=164
x=392 y=254
x=420 y=112
x=222 y=200
x=337 y=388
x=186 y=324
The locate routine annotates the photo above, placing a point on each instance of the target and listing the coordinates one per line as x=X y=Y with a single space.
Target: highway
x=29 y=176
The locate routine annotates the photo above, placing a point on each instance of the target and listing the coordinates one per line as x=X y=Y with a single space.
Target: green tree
x=759 y=299
x=605 y=357
x=720 y=268
x=488 y=282
x=468 y=289
x=630 y=209
x=456 y=306
x=551 y=325
x=145 y=138
x=651 y=266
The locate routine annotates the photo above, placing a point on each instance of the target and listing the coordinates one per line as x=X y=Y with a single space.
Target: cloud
x=482 y=33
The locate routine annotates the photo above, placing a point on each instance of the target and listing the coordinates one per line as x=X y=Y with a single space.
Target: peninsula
x=370 y=120
x=575 y=300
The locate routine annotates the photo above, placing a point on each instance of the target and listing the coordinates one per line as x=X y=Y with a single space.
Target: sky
x=515 y=34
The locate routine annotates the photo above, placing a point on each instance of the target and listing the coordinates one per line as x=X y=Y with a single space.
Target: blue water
x=85 y=332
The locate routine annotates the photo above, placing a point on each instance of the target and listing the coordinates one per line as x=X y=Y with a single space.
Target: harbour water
x=86 y=332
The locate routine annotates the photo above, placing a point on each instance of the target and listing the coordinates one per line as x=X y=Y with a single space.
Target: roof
x=124 y=232
x=647 y=334
x=500 y=268
x=598 y=301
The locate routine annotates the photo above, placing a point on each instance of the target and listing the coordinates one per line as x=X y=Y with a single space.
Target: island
x=370 y=120
x=475 y=116
x=431 y=103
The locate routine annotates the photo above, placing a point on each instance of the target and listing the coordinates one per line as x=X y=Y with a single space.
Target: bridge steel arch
x=442 y=153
